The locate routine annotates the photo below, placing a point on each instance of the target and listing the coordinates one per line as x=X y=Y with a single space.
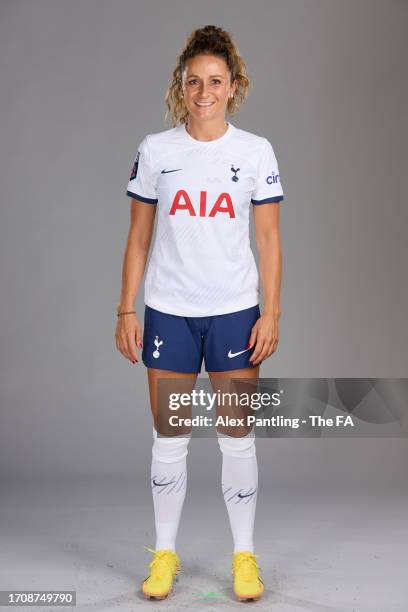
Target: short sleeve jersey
x=201 y=262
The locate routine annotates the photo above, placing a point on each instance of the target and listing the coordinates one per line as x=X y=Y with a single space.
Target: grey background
x=81 y=84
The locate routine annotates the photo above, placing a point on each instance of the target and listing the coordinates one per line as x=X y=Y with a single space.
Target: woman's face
x=206 y=87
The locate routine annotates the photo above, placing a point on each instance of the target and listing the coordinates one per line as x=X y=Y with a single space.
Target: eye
x=216 y=81
x=192 y=81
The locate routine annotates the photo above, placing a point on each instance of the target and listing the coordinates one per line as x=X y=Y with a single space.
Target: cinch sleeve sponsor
x=141 y=185
x=268 y=186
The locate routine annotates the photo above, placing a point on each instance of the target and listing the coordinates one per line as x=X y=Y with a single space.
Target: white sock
x=240 y=487
x=169 y=483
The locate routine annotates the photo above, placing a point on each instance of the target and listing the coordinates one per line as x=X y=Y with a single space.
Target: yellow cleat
x=163 y=569
x=247 y=583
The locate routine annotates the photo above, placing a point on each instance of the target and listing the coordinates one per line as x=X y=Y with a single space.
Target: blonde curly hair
x=209 y=40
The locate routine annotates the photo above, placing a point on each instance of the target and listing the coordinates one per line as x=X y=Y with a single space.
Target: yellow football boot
x=247 y=583
x=163 y=569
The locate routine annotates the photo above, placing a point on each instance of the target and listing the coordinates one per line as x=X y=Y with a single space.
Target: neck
x=206 y=130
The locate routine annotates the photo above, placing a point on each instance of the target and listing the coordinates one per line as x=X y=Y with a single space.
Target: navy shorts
x=179 y=344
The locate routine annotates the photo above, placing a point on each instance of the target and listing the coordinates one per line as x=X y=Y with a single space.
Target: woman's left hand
x=265 y=337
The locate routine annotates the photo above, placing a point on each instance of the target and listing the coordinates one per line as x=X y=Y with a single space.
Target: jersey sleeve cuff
x=278 y=198
x=136 y=196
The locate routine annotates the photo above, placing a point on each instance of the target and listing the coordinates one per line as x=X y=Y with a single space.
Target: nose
x=203 y=90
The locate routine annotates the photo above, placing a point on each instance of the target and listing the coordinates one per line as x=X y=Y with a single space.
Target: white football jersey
x=201 y=262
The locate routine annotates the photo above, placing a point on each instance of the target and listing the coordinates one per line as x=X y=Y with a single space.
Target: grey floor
x=318 y=551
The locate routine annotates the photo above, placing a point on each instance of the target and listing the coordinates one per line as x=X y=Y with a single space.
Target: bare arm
x=266 y=330
x=128 y=330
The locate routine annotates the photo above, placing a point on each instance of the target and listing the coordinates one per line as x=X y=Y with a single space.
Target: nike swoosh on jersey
x=230 y=355
x=167 y=171
x=162 y=484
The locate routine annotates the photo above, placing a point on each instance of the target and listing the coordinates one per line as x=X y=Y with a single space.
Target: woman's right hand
x=128 y=336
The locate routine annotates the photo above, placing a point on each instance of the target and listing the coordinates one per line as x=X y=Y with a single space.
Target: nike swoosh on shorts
x=230 y=355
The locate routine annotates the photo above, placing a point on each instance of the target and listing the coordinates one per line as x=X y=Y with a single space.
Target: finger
x=123 y=347
x=275 y=341
x=258 y=349
x=131 y=347
x=253 y=337
x=139 y=342
x=260 y=358
x=266 y=350
x=275 y=345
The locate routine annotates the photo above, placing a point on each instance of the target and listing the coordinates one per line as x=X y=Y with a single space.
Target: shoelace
x=249 y=567
x=160 y=558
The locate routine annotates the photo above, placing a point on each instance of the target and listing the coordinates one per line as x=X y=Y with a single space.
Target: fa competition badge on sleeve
x=134 y=169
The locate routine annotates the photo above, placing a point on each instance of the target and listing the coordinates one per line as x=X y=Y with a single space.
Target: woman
x=202 y=285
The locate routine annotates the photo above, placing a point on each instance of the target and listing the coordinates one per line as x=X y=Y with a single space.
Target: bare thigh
x=185 y=384
x=221 y=381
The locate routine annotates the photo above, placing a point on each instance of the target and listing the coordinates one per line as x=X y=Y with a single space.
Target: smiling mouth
x=204 y=104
